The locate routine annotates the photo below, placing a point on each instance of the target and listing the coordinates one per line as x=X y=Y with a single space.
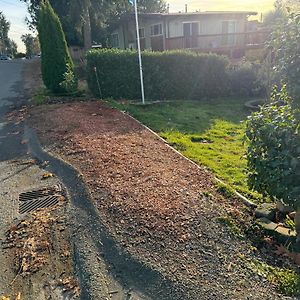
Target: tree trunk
x=87 y=34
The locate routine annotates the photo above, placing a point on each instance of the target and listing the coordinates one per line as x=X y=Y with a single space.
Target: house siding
x=131 y=30
x=173 y=34
x=208 y=24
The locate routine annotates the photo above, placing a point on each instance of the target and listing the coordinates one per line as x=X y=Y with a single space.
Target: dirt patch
x=160 y=207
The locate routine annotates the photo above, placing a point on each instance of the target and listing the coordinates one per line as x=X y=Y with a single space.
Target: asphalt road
x=11 y=98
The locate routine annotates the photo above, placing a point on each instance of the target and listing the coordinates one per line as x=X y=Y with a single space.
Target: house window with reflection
x=156 y=29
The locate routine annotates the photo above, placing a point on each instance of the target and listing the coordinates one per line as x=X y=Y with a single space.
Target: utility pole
x=139 y=51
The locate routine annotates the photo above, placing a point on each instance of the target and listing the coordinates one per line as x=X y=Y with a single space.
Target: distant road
x=10 y=74
x=11 y=98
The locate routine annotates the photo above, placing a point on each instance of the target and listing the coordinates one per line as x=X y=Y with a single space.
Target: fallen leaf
x=229 y=268
x=47 y=175
x=18 y=297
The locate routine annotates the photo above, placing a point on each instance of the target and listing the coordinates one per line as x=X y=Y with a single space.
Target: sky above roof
x=15 y=11
x=205 y=5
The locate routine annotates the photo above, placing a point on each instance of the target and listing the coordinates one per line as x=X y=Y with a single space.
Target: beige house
x=225 y=32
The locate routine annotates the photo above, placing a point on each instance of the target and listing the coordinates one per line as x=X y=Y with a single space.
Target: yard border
x=243 y=199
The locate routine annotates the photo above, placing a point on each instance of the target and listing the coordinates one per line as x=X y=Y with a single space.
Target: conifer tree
x=57 y=65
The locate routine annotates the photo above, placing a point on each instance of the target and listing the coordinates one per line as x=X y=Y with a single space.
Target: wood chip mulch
x=163 y=209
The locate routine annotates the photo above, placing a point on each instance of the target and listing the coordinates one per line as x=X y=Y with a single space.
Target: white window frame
x=160 y=26
x=191 y=22
x=118 y=39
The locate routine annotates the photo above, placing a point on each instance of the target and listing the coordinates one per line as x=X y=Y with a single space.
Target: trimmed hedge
x=167 y=75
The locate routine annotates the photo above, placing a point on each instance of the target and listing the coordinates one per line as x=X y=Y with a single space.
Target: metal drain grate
x=31 y=195
x=42 y=198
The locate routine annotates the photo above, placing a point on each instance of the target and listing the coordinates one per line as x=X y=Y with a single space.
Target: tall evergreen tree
x=56 y=61
x=4 y=28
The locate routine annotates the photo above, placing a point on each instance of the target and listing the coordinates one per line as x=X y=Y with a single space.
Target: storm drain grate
x=42 y=198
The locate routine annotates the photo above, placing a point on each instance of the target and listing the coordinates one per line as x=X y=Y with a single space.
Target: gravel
x=161 y=208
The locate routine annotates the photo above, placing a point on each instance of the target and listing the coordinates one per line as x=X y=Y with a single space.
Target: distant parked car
x=4 y=57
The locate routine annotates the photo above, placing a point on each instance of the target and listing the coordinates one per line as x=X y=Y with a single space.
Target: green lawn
x=210 y=133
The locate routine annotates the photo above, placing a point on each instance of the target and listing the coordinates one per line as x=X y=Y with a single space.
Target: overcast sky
x=15 y=11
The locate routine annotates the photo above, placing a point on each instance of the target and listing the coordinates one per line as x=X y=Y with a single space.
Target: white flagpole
x=139 y=51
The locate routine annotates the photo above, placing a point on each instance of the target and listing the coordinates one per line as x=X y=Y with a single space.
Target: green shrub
x=244 y=80
x=70 y=83
x=56 y=61
x=167 y=75
x=285 y=47
x=274 y=150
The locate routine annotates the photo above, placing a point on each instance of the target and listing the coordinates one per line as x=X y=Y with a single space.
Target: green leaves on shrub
x=167 y=75
x=69 y=84
x=244 y=80
x=285 y=47
x=57 y=65
x=274 y=150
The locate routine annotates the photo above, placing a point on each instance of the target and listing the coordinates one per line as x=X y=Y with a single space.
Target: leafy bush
x=274 y=149
x=167 y=75
x=285 y=45
x=244 y=80
x=56 y=61
x=69 y=84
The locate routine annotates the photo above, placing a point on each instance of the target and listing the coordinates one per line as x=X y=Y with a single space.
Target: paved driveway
x=11 y=90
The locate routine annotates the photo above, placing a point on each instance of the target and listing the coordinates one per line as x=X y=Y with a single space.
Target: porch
x=231 y=44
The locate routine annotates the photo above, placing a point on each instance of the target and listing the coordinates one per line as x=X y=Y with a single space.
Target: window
x=191 y=29
x=228 y=29
x=115 y=40
x=156 y=29
x=142 y=33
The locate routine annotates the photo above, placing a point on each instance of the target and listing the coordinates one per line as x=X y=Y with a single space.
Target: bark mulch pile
x=163 y=209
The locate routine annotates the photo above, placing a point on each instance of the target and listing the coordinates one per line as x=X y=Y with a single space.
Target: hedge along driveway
x=210 y=133
x=167 y=75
